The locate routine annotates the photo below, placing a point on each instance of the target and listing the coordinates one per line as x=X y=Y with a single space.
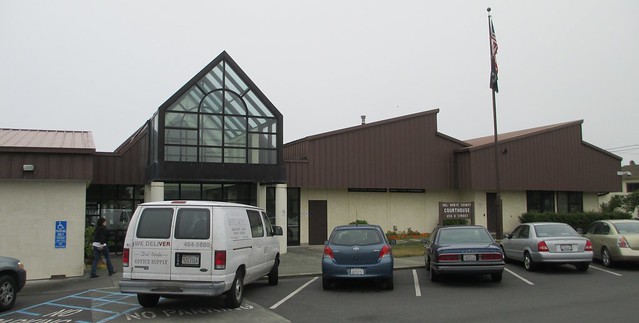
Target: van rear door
x=192 y=254
x=150 y=253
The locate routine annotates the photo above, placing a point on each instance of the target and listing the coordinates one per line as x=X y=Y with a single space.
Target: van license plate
x=187 y=260
x=356 y=271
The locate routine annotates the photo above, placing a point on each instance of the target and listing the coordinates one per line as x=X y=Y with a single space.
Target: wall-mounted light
x=28 y=168
x=621 y=173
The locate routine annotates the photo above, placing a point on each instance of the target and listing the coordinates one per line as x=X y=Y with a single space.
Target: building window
x=632 y=187
x=238 y=193
x=540 y=201
x=220 y=120
x=293 y=206
x=570 y=202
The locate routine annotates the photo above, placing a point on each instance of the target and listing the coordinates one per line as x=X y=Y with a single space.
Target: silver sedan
x=547 y=242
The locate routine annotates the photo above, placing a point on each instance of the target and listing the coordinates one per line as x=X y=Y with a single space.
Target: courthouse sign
x=456 y=210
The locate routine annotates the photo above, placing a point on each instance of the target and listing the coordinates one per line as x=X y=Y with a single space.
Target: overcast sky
x=106 y=66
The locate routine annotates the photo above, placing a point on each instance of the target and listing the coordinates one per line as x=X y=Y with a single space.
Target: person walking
x=100 y=248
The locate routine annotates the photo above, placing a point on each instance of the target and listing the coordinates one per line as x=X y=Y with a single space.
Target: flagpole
x=498 y=202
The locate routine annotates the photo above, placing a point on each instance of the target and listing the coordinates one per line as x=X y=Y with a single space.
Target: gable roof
x=377 y=124
x=27 y=140
x=487 y=141
x=481 y=142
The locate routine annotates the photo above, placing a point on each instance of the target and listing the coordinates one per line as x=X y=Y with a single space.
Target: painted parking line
x=276 y=305
x=418 y=291
x=606 y=271
x=521 y=278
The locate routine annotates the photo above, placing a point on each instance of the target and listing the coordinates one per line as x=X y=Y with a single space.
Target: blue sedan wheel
x=326 y=283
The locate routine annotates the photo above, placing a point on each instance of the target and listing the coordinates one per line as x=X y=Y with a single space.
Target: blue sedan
x=357 y=252
x=463 y=250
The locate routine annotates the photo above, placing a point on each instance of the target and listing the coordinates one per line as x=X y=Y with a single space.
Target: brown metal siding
x=53 y=166
x=126 y=167
x=555 y=161
x=403 y=153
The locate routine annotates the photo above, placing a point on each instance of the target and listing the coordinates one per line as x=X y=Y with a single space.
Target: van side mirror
x=277 y=230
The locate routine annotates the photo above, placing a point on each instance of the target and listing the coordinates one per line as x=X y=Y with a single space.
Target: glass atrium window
x=220 y=120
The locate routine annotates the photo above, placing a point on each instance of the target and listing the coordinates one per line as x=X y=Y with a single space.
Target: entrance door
x=491 y=211
x=317 y=223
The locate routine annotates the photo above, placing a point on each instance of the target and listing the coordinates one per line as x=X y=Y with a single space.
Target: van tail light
x=220 y=259
x=125 y=257
x=441 y=258
x=588 y=245
x=328 y=252
x=385 y=252
x=622 y=242
x=542 y=246
x=491 y=257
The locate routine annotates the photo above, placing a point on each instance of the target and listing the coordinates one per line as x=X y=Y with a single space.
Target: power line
x=624 y=148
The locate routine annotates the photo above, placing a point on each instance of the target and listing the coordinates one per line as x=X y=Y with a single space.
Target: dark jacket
x=100 y=234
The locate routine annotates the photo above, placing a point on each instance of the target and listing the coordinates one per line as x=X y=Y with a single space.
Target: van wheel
x=148 y=300
x=235 y=295
x=273 y=276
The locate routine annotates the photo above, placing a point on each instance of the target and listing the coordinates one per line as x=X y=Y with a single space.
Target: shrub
x=455 y=222
x=359 y=222
x=88 y=241
x=403 y=235
x=579 y=221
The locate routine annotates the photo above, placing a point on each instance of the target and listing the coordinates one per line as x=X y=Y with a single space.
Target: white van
x=198 y=248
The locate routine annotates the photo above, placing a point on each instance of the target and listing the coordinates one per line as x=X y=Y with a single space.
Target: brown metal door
x=317 y=224
x=491 y=209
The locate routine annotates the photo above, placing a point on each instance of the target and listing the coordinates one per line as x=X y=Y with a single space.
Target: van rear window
x=155 y=223
x=193 y=224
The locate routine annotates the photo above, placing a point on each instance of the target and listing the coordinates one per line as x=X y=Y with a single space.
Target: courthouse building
x=220 y=138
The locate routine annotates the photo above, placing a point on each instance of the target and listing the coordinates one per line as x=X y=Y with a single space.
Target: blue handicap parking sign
x=60 y=234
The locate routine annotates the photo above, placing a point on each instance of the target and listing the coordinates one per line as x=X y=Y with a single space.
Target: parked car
x=547 y=243
x=614 y=240
x=13 y=277
x=463 y=250
x=357 y=252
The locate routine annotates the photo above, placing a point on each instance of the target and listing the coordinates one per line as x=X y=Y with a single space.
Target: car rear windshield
x=464 y=235
x=555 y=230
x=627 y=227
x=360 y=237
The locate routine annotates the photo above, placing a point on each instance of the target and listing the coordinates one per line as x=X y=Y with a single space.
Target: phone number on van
x=199 y=244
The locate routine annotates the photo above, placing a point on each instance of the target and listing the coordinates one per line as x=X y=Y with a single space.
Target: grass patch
x=408 y=249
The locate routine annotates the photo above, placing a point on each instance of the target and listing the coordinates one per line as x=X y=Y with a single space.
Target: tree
x=631 y=202
x=615 y=203
x=627 y=203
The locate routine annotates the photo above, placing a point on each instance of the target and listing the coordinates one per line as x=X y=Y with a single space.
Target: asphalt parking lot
x=552 y=294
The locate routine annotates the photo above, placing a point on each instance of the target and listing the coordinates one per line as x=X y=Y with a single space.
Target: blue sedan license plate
x=356 y=271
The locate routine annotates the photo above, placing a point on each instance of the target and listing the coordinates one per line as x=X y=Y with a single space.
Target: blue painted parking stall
x=89 y=306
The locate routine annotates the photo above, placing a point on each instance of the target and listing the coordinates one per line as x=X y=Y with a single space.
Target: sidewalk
x=298 y=261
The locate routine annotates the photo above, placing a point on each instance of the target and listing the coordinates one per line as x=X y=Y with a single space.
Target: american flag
x=493 y=58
